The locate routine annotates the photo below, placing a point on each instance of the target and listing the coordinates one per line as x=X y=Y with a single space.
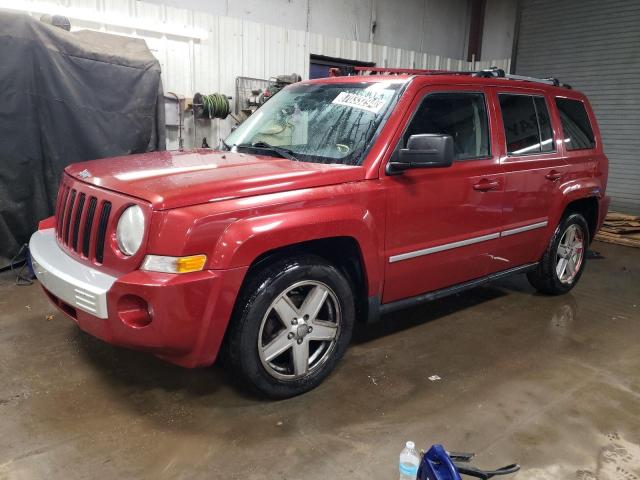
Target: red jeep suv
x=337 y=201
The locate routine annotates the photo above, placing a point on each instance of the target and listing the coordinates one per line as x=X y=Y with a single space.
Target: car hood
x=178 y=179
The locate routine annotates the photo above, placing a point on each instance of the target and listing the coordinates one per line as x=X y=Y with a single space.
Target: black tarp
x=66 y=97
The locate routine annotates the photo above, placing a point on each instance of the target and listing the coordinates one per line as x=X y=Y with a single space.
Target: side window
x=526 y=124
x=578 y=134
x=546 y=133
x=461 y=115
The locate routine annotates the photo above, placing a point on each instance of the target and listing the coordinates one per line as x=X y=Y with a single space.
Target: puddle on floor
x=618 y=459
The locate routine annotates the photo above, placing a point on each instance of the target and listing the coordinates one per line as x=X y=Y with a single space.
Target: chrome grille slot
x=67 y=217
x=58 y=203
x=102 y=230
x=64 y=192
x=86 y=239
x=76 y=223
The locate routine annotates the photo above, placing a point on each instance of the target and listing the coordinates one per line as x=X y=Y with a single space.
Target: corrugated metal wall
x=595 y=47
x=202 y=52
x=410 y=24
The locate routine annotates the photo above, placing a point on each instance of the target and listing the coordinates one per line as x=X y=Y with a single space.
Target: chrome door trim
x=440 y=248
x=526 y=228
x=468 y=241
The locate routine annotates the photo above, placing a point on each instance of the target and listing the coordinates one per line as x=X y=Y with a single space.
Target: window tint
x=575 y=124
x=546 y=133
x=526 y=124
x=461 y=115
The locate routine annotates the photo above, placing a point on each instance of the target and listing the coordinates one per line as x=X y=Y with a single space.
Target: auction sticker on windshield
x=369 y=101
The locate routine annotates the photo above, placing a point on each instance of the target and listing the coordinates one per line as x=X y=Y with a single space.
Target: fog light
x=134 y=311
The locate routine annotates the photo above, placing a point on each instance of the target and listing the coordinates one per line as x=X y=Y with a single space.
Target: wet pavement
x=550 y=382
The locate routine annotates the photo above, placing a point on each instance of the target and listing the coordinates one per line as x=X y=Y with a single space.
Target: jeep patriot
x=339 y=200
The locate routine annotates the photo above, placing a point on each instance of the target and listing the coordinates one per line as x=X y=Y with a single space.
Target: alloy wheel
x=570 y=254
x=300 y=330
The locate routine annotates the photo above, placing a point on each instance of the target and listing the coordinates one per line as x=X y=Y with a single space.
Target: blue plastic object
x=437 y=465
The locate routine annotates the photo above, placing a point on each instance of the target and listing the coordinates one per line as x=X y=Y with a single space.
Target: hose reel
x=214 y=105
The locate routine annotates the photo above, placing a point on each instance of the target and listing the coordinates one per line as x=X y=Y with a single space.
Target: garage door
x=595 y=47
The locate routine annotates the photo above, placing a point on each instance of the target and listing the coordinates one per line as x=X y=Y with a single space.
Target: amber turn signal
x=194 y=263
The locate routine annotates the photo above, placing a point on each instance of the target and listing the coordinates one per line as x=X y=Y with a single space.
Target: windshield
x=318 y=122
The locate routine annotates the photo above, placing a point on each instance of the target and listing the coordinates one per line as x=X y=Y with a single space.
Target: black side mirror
x=426 y=150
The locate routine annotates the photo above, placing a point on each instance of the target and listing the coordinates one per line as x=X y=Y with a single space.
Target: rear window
x=526 y=124
x=578 y=134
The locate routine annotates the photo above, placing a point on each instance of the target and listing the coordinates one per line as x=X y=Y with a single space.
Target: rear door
x=442 y=222
x=582 y=151
x=531 y=156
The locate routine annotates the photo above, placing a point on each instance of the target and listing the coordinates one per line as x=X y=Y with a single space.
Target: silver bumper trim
x=78 y=285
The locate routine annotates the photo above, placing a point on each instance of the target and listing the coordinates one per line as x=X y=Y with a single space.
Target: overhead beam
x=476 y=28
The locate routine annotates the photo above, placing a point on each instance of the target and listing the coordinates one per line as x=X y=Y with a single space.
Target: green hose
x=215 y=105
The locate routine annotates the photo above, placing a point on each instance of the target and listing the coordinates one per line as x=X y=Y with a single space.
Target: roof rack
x=394 y=71
x=493 y=72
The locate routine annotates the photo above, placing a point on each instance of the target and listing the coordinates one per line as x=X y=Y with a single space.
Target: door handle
x=553 y=176
x=485 y=185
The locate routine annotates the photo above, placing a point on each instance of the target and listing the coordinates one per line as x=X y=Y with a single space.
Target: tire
x=272 y=327
x=564 y=260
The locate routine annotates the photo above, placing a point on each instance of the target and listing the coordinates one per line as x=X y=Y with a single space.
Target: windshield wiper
x=283 y=152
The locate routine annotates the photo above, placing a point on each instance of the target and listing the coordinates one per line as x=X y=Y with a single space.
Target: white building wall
x=436 y=26
x=446 y=29
x=203 y=52
x=498 y=30
x=348 y=19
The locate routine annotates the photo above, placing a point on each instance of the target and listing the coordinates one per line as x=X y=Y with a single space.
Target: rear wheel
x=563 y=262
x=292 y=324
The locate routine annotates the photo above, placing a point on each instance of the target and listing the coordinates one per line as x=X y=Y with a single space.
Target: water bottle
x=409 y=462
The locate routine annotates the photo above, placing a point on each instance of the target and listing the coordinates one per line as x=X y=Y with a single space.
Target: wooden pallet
x=621 y=229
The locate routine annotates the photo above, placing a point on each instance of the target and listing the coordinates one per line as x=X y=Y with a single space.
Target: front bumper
x=188 y=313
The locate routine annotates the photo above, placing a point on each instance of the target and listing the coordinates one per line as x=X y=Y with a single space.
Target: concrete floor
x=551 y=383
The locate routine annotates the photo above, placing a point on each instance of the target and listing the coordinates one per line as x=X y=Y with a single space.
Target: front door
x=442 y=222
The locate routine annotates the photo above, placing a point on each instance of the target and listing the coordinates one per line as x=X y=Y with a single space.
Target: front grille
x=75 y=226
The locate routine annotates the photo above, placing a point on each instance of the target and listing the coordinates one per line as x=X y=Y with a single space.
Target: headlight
x=130 y=230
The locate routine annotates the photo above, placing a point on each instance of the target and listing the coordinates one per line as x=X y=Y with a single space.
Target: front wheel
x=563 y=262
x=292 y=323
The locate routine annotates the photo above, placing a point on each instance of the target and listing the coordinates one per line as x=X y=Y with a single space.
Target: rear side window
x=578 y=134
x=544 y=124
x=461 y=115
x=526 y=124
